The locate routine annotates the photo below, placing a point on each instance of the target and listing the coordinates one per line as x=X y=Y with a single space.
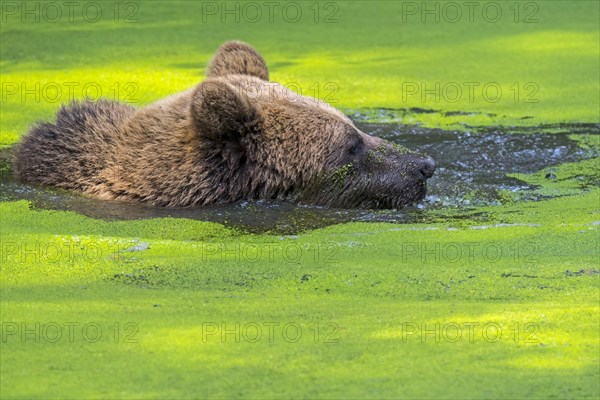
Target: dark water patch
x=472 y=167
x=566 y=128
x=389 y=115
x=472 y=171
x=397 y=115
x=466 y=113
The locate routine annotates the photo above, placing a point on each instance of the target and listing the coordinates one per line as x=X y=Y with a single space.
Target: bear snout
x=423 y=166
x=426 y=166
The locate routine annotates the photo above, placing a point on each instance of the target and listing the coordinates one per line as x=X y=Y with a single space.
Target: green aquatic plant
x=339 y=175
x=401 y=149
x=505 y=295
x=377 y=155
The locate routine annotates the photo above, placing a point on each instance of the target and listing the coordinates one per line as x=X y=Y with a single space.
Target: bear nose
x=427 y=166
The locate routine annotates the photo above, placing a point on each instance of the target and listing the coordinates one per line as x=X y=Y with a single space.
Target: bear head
x=273 y=143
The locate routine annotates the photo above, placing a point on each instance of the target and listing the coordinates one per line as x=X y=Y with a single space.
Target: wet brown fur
x=234 y=136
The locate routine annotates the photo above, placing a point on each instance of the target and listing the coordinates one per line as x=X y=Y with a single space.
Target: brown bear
x=235 y=136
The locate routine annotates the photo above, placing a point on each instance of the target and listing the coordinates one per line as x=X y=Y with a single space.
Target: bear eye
x=356 y=148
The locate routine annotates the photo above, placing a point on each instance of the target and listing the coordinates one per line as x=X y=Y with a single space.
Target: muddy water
x=472 y=168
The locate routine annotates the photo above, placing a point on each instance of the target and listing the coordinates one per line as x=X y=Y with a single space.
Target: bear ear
x=238 y=58
x=220 y=112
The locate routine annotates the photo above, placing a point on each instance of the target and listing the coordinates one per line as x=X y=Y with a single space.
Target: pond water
x=472 y=168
